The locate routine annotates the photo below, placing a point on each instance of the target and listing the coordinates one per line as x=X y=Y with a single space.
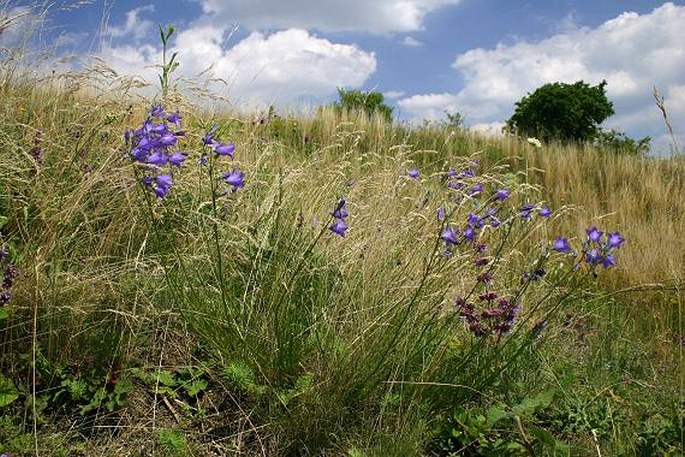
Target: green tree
x=559 y=111
x=620 y=143
x=368 y=102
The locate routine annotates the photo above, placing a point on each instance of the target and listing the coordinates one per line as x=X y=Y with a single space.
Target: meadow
x=327 y=284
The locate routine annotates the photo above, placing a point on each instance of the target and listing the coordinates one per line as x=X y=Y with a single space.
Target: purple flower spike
x=413 y=173
x=339 y=228
x=615 y=240
x=235 y=178
x=594 y=234
x=561 y=244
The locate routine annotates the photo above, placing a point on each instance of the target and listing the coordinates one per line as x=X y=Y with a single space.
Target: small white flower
x=535 y=142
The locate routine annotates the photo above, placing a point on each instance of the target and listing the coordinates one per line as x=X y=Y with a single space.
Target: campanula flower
x=235 y=178
x=561 y=244
x=339 y=227
x=450 y=235
x=413 y=173
x=502 y=195
x=594 y=234
x=614 y=240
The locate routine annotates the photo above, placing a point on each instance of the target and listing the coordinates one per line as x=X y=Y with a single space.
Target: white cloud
x=411 y=42
x=394 y=94
x=632 y=52
x=429 y=106
x=285 y=67
x=134 y=26
x=373 y=16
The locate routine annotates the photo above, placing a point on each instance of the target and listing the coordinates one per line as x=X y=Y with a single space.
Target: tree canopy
x=559 y=111
x=368 y=102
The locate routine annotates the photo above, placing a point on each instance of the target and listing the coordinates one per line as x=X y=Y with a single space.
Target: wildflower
x=224 y=149
x=502 y=195
x=485 y=277
x=614 y=240
x=340 y=212
x=545 y=212
x=526 y=212
x=594 y=234
x=339 y=227
x=450 y=236
x=456 y=185
x=152 y=144
x=235 y=178
x=175 y=119
x=162 y=185
x=608 y=261
x=475 y=221
x=470 y=233
x=488 y=296
x=177 y=158
x=441 y=213
x=535 y=142
x=451 y=172
x=481 y=262
x=561 y=244
x=476 y=190
x=413 y=173
x=593 y=256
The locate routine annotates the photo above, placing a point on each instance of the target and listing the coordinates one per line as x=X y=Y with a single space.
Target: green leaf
x=545 y=437
x=166 y=378
x=8 y=392
x=495 y=414
x=195 y=387
x=530 y=405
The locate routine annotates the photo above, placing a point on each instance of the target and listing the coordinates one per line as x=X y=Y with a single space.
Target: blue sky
x=476 y=57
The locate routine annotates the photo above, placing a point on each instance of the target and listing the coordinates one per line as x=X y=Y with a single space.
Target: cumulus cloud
x=284 y=67
x=632 y=52
x=135 y=26
x=373 y=16
x=411 y=42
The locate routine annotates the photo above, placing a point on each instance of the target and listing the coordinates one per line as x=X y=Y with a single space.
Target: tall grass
x=308 y=343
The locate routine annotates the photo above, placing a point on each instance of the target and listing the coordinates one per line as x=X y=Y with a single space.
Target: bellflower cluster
x=11 y=272
x=599 y=251
x=154 y=144
x=497 y=317
x=596 y=249
x=340 y=214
